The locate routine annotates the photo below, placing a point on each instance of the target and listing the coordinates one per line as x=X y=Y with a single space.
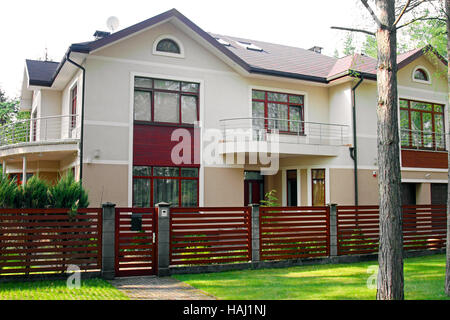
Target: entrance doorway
x=291 y=177
x=253 y=187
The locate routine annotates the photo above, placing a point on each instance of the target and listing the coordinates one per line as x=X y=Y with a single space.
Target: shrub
x=10 y=195
x=270 y=200
x=35 y=193
x=67 y=193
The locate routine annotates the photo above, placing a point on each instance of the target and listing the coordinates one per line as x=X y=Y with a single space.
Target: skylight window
x=249 y=46
x=225 y=43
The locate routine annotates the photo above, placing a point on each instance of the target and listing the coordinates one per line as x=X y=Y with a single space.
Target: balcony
x=286 y=137
x=423 y=149
x=37 y=135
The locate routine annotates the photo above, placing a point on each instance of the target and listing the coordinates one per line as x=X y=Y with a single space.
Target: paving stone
x=158 y=288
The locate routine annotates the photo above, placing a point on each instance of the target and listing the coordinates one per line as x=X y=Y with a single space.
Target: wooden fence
x=424 y=227
x=294 y=232
x=49 y=240
x=210 y=235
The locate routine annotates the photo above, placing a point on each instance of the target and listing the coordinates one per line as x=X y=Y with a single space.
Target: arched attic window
x=168 y=46
x=420 y=74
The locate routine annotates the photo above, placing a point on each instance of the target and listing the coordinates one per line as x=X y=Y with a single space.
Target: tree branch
x=402 y=12
x=374 y=16
x=355 y=30
x=424 y=18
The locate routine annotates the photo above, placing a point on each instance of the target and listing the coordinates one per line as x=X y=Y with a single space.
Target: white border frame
x=168 y=54
x=133 y=74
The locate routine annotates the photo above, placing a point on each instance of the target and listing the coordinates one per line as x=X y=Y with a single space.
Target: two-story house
x=111 y=111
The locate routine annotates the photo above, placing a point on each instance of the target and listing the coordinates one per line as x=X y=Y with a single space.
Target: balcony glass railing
x=52 y=128
x=422 y=140
x=290 y=131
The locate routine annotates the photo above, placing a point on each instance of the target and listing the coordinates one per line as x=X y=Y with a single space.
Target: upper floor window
x=166 y=101
x=275 y=110
x=422 y=125
x=420 y=74
x=168 y=45
x=73 y=107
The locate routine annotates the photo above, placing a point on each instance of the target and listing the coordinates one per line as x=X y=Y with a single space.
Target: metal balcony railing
x=422 y=140
x=54 y=128
x=290 y=131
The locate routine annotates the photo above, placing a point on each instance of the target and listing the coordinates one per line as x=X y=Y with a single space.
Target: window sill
x=164 y=124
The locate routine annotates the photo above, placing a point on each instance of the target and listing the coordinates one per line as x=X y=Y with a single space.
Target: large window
x=274 y=110
x=165 y=101
x=178 y=186
x=422 y=125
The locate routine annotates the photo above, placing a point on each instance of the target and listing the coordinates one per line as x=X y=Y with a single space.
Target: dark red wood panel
x=152 y=145
x=424 y=159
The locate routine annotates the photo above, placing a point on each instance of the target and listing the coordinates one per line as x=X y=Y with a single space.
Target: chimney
x=101 y=34
x=316 y=49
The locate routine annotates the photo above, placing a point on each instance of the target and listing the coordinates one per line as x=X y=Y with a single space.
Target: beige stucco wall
x=423 y=193
x=106 y=183
x=224 y=187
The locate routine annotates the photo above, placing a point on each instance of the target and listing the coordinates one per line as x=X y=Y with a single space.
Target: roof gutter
x=67 y=58
x=354 y=149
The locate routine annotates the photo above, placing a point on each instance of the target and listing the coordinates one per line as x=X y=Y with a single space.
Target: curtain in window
x=166 y=107
x=188 y=109
x=165 y=190
x=141 y=193
x=142 y=105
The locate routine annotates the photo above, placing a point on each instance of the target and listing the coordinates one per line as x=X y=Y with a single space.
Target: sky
x=28 y=27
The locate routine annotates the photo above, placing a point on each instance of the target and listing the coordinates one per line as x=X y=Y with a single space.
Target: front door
x=253 y=187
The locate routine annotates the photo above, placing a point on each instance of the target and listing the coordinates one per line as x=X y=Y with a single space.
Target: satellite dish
x=112 y=23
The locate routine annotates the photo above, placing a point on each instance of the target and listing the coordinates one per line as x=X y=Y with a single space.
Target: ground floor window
x=318 y=187
x=175 y=185
x=18 y=177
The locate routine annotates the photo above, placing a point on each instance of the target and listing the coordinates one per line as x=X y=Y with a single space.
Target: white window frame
x=418 y=80
x=168 y=54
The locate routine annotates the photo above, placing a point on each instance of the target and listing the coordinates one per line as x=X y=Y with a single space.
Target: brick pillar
x=163 y=211
x=333 y=230
x=108 y=240
x=255 y=232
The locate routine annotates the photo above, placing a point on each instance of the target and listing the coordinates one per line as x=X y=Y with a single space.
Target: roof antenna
x=46 y=54
x=112 y=23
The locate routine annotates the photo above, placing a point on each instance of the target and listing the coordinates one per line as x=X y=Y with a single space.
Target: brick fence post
x=333 y=230
x=108 y=240
x=255 y=232
x=163 y=211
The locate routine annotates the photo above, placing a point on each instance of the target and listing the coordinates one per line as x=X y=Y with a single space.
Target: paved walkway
x=155 y=288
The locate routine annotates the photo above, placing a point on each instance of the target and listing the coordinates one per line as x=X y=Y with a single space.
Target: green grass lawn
x=91 y=289
x=424 y=280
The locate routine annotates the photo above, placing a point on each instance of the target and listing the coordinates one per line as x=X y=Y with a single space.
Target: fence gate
x=135 y=242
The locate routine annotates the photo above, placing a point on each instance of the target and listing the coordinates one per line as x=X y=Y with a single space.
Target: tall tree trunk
x=390 y=256
x=447 y=269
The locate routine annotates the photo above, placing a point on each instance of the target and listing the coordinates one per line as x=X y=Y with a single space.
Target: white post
x=24 y=171
x=4 y=167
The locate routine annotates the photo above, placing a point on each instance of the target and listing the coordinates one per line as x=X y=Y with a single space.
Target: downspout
x=353 y=150
x=82 y=112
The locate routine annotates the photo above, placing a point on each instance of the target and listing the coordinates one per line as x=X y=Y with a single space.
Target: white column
x=24 y=171
x=4 y=167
